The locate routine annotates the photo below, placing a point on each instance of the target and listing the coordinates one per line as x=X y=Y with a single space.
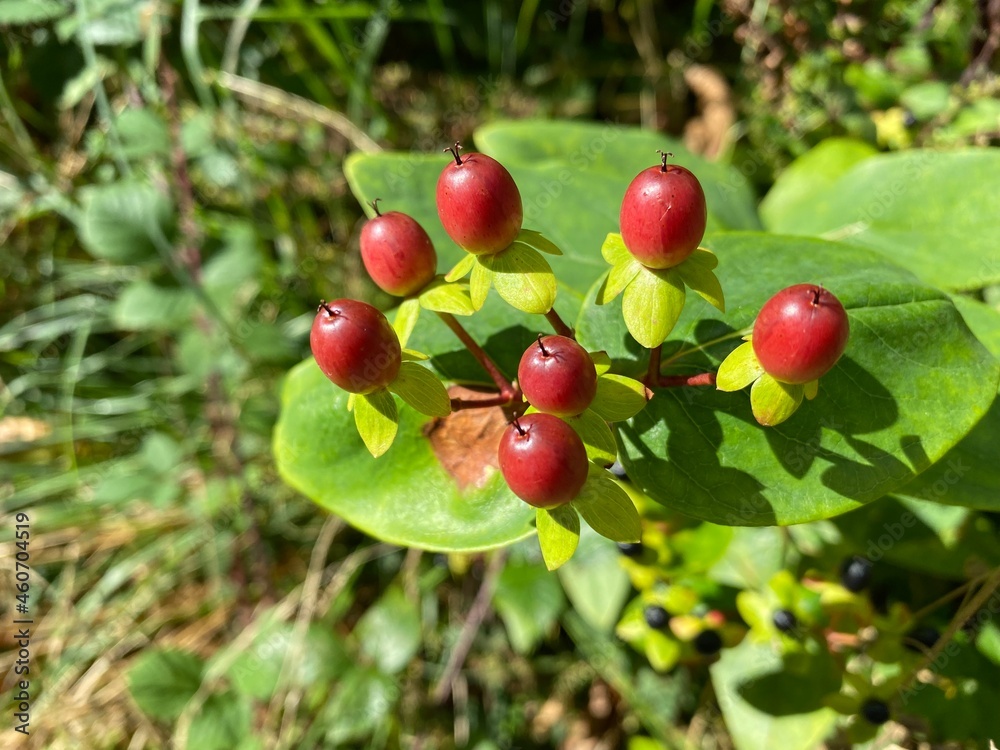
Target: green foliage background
x=175 y=196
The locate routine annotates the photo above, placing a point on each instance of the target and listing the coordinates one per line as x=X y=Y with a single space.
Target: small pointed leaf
x=619 y=398
x=773 y=401
x=811 y=389
x=479 y=284
x=613 y=250
x=406 y=320
x=651 y=305
x=597 y=437
x=412 y=355
x=447 y=298
x=619 y=277
x=535 y=239
x=461 y=268
x=523 y=278
x=377 y=420
x=558 y=534
x=607 y=508
x=704 y=258
x=602 y=362
x=703 y=282
x=421 y=389
x=739 y=369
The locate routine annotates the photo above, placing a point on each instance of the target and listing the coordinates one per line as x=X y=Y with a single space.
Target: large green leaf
x=406 y=496
x=912 y=383
x=812 y=173
x=929 y=211
x=743 y=676
x=969 y=474
x=571 y=176
x=124 y=221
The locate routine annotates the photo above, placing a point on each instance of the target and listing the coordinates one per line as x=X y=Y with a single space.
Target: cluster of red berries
x=799 y=335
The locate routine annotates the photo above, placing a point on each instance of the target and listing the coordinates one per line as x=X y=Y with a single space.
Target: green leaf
x=522 y=278
x=389 y=631
x=618 y=278
x=703 y=282
x=558 y=534
x=405 y=321
x=927 y=99
x=448 y=298
x=479 y=284
x=755 y=729
x=421 y=389
x=969 y=474
x=772 y=401
x=19 y=12
x=162 y=681
x=461 y=268
x=145 y=306
x=409 y=499
x=597 y=437
x=911 y=384
x=537 y=241
x=619 y=398
x=739 y=369
x=662 y=650
x=607 y=508
x=222 y=723
x=363 y=702
x=651 y=306
x=256 y=671
x=602 y=362
x=143 y=133
x=529 y=600
x=595 y=581
x=123 y=222
x=377 y=420
x=915 y=207
x=796 y=189
x=614 y=251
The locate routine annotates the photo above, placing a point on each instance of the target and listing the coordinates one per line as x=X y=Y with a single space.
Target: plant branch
x=558 y=325
x=673 y=381
x=477 y=612
x=963 y=614
x=461 y=404
x=507 y=389
x=653 y=371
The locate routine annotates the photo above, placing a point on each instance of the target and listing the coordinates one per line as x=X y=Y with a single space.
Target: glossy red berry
x=800 y=333
x=543 y=460
x=397 y=253
x=478 y=202
x=663 y=215
x=557 y=376
x=355 y=346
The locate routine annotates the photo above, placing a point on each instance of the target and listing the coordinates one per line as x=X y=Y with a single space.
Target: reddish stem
x=461 y=404
x=507 y=389
x=653 y=371
x=558 y=325
x=672 y=381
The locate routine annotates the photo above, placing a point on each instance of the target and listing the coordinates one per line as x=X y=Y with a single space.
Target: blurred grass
x=140 y=446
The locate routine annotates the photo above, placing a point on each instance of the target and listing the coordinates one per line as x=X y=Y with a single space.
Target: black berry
x=785 y=621
x=630 y=549
x=875 y=711
x=708 y=642
x=656 y=616
x=855 y=573
x=924 y=635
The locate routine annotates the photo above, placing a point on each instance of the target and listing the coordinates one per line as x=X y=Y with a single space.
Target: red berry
x=397 y=253
x=543 y=460
x=479 y=204
x=800 y=333
x=663 y=215
x=355 y=346
x=557 y=376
